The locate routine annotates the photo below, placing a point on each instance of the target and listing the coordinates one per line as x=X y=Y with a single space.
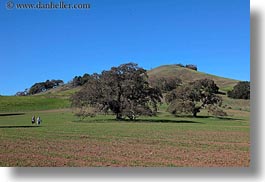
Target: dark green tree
x=80 y=80
x=124 y=90
x=23 y=93
x=240 y=91
x=77 y=81
x=37 y=88
x=85 y=78
x=44 y=86
x=192 y=97
x=165 y=84
x=192 y=66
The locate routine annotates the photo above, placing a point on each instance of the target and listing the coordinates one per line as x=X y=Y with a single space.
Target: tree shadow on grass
x=151 y=120
x=189 y=116
x=228 y=118
x=214 y=117
x=164 y=121
x=11 y=114
x=179 y=119
x=19 y=126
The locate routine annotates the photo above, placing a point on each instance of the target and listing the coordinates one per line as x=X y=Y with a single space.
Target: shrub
x=180 y=65
x=191 y=66
x=240 y=91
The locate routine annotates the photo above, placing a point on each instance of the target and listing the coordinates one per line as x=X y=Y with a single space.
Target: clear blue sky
x=36 y=45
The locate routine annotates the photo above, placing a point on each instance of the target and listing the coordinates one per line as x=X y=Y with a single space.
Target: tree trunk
x=118 y=116
x=195 y=111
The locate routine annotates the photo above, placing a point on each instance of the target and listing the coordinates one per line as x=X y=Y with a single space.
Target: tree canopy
x=43 y=86
x=192 y=97
x=123 y=90
x=240 y=91
x=165 y=84
x=80 y=80
x=189 y=66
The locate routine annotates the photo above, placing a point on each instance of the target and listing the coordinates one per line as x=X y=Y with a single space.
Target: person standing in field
x=33 y=119
x=38 y=120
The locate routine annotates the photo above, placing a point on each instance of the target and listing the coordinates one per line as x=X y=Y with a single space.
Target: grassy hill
x=58 y=98
x=188 y=75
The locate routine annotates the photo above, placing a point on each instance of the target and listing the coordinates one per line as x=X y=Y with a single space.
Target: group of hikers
x=33 y=120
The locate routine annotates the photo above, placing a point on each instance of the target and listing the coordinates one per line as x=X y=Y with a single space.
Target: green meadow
x=165 y=140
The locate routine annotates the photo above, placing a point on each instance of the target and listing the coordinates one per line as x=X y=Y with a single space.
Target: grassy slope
x=31 y=103
x=57 y=98
x=60 y=92
x=188 y=75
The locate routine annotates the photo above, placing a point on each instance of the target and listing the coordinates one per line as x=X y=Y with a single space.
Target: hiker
x=38 y=120
x=33 y=119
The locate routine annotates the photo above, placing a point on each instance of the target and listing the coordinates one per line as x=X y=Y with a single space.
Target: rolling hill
x=188 y=75
x=185 y=74
x=58 y=98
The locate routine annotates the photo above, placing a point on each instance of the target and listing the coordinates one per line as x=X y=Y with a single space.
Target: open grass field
x=165 y=140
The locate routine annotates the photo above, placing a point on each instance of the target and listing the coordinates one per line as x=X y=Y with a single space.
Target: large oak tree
x=124 y=90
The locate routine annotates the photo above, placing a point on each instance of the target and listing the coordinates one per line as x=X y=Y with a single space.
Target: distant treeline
x=41 y=87
x=189 y=66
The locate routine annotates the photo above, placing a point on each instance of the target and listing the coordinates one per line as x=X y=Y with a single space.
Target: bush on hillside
x=44 y=86
x=240 y=91
x=191 y=66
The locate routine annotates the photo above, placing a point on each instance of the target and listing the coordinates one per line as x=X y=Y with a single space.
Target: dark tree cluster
x=126 y=92
x=22 y=93
x=240 y=91
x=80 y=80
x=44 y=86
x=180 y=65
x=189 y=66
x=192 y=97
x=165 y=84
x=123 y=90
